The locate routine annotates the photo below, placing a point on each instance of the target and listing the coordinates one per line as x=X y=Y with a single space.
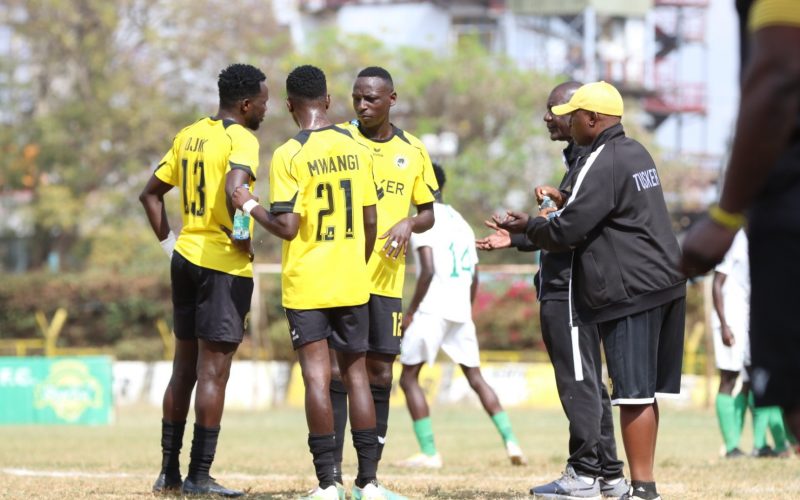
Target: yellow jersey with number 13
x=404 y=173
x=325 y=176
x=201 y=156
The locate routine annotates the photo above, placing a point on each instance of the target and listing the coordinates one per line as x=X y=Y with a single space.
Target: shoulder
x=409 y=138
x=240 y=134
x=288 y=149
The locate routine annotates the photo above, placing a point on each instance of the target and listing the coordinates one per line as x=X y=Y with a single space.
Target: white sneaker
x=374 y=491
x=422 y=461
x=515 y=454
x=329 y=493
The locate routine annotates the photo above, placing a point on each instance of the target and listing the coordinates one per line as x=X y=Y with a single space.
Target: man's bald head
x=558 y=126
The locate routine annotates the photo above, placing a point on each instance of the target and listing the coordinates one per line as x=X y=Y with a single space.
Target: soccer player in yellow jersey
x=212 y=277
x=404 y=172
x=322 y=203
x=763 y=182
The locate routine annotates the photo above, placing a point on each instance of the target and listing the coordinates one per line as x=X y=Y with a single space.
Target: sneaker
x=734 y=453
x=639 y=495
x=374 y=491
x=318 y=493
x=568 y=486
x=515 y=454
x=422 y=461
x=765 y=452
x=167 y=485
x=208 y=486
x=615 y=490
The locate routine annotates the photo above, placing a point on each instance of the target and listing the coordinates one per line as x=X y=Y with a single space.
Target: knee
x=380 y=373
x=408 y=380
x=315 y=379
x=212 y=377
x=475 y=379
x=183 y=375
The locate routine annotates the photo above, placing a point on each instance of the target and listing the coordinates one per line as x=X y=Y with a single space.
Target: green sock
x=424 y=432
x=740 y=406
x=760 y=423
x=777 y=429
x=726 y=416
x=503 y=424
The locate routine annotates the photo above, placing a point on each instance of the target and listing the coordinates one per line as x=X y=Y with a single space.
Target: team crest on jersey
x=400 y=161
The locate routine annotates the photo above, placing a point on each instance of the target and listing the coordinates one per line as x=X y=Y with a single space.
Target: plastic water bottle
x=241 y=223
x=547 y=202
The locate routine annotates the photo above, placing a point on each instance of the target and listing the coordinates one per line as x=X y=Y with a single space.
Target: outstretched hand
x=497 y=240
x=513 y=222
x=397 y=238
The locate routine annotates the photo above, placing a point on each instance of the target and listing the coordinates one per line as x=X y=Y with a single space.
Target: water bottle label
x=241 y=226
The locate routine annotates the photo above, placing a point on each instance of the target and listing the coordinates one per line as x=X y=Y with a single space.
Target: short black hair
x=378 y=72
x=307 y=82
x=237 y=82
x=438 y=171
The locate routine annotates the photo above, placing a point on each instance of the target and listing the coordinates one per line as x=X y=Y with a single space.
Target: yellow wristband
x=726 y=219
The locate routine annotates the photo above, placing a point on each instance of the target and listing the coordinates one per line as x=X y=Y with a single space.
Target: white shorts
x=428 y=332
x=732 y=358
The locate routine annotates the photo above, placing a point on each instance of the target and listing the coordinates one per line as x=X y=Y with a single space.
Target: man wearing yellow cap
x=624 y=274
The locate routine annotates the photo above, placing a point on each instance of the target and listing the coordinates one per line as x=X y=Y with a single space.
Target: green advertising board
x=57 y=390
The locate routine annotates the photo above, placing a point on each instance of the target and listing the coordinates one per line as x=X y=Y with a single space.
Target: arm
x=283 y=225
x=425 y=263
x=769 y=104
x=719 y=307
x=473 y=289
x=503 y=239
x=370 y=229
x=234 y=179
x=401 y=231
x=152 y=199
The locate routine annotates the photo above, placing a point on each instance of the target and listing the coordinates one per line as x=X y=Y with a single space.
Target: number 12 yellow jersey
x=325 y=176
x=403 y=171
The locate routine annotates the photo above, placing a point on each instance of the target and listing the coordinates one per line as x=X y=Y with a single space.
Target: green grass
x=266 y=453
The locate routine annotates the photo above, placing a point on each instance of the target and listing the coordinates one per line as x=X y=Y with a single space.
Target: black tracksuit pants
x=592 y=448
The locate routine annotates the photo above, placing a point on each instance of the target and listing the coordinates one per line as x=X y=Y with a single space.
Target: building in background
x=677 y=57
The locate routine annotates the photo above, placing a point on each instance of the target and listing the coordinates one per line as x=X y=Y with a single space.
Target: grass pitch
x=266 y=454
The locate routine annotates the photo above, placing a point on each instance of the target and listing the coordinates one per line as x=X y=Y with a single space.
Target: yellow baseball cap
x=600 y=97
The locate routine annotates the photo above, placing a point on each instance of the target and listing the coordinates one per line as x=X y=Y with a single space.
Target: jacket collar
x=573 y=152
x=607 y=135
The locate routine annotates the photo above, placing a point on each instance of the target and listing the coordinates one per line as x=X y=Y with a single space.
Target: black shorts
x=209 y=304
x=644 y=353
x=346 y=328
x=385 y=320
x=774 y=330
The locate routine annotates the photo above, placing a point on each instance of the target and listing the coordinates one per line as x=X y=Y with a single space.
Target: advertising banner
x=57 y=390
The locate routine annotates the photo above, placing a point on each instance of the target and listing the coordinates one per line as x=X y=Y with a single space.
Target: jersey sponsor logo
x=646 y=179
x=333 y=164
x=392 y=187
x=400 y=162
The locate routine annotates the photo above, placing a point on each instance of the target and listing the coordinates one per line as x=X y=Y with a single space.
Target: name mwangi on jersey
x=201 y=156
x=403 y=171
x=325 y=176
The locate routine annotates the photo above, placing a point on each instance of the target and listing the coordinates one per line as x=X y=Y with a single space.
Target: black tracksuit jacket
x=616 y=222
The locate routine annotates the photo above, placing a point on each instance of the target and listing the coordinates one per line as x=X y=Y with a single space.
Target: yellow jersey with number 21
x=325 y=176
